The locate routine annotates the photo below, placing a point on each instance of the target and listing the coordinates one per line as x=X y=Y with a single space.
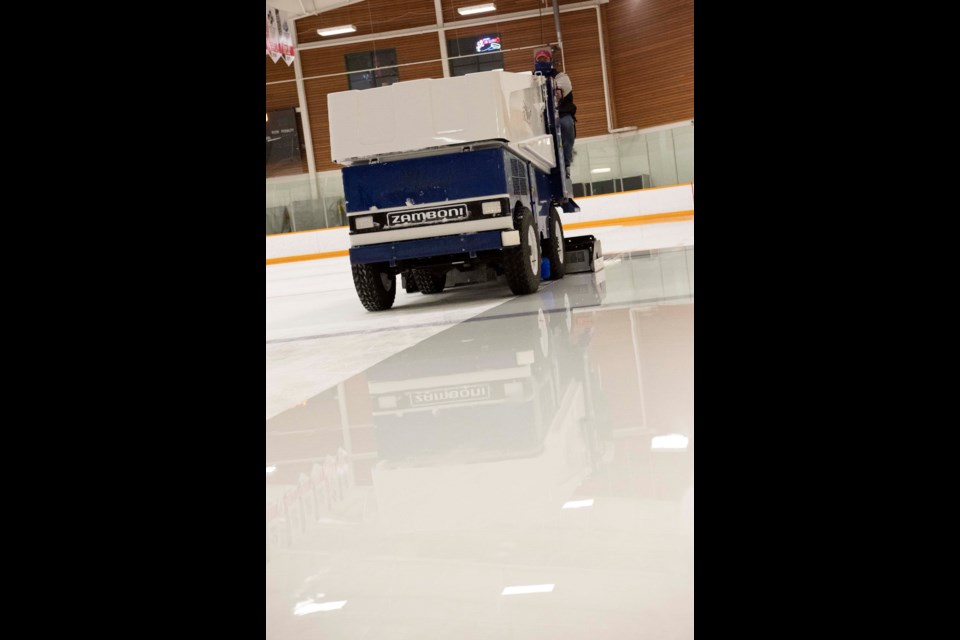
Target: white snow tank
x=441 y=112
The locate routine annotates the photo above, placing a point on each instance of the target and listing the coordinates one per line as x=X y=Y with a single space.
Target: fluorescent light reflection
x=530 y=588
x=309 y=606
x=601 y=170
x=577 y=504
x=271 y=469
x=671 y=441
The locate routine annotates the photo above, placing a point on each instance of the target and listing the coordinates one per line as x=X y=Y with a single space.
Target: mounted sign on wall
x=488 y=43
x=284 y=155
x=279 y=40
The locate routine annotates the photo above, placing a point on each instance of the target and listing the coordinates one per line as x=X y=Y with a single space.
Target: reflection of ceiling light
x=530 y=588
x=309 y=606
x=271 y=469
x=332 y=31
x=513 y=389
x=477 y=8
x=601 y=170
x=671 y=441
x=577 y=504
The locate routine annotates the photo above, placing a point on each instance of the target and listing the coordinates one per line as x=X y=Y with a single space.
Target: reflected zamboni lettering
x=433 y=396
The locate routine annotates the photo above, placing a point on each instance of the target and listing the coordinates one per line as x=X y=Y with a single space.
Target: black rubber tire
x=376 y=286
x=553 y=246
x=409 y=284
x=429 y=281
x=522 y=264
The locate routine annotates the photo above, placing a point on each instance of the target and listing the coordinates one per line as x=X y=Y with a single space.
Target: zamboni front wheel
x=376 y=286
x=522 y=264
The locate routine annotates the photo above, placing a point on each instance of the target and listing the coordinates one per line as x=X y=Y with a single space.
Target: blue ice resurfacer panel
x=450 y=176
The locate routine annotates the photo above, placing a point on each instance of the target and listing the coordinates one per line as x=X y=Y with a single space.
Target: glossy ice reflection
x=547 y=442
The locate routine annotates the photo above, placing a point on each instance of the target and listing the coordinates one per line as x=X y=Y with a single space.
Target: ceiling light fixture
x=333 y=31
x=477 y=8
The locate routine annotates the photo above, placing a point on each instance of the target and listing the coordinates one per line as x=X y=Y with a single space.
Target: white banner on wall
x=279 y=39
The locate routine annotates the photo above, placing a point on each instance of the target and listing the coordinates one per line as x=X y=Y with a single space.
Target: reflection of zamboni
x=449 y=179
x=473 y=398
x=488 y=426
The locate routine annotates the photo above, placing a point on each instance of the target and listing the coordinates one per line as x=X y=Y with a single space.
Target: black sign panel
x=283 y=143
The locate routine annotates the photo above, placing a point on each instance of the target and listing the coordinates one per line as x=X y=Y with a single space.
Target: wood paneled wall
x=504 y=7
x=371 y=16
x=379 y=16
x=651 y=68
x=284 y=94
x=649 y=47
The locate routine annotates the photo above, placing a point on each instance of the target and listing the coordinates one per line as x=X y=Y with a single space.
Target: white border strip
x=432 y=231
